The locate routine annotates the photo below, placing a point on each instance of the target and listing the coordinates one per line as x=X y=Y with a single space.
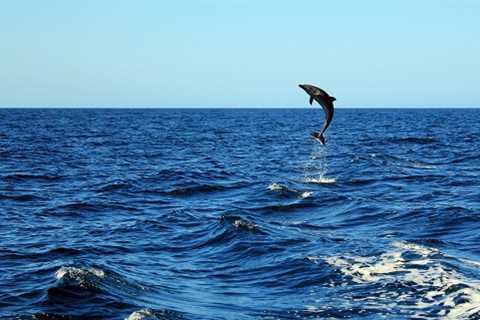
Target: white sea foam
x=77 y=273
x=429 y=284
x=150 y=314
x=313 y=259
x=320 y=180
x=306 y=194
x=422 y=165
x=238 y=223
x=275 y=187
x=281 y=188
x=141 y=315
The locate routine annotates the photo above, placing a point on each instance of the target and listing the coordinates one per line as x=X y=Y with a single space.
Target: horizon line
x=230 y=107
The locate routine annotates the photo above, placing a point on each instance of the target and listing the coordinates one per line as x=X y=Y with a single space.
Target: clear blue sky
x=239 y=52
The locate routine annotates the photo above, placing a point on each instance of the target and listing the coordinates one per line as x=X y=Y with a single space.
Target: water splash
x=427 y=283
x=316 y=168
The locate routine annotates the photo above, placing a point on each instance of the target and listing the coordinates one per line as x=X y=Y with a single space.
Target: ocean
x=239 y=214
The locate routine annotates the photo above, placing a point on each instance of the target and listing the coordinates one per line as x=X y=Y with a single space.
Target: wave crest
x=151 y=314
x=82 y=277
x=285 y=190
x=320 y=180
x=426 y=283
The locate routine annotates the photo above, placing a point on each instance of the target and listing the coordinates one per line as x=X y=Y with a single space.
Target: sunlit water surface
x=239 y=214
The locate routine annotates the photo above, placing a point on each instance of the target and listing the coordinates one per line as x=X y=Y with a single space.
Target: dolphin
x=326 y=101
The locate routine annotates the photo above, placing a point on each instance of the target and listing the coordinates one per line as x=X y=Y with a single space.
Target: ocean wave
x=417 y=178
x=241 y=223
x=422 y=165
x=199 y=188
x=20 y=197
x=4 y=153
x=289 y=206
x=113 y=186
x=285 y=190
x=49 y=316
x=320 y=180
x=186 y=174
x=83 y=282
x=306 y=194
x=392 y=160
x=214 y=238
x=413 y=140
x=428 y=287
x=31 y=177
x=167 y=216
x=276 y=187
x=80 y=207
x=407 y=178
x=78 y=273
x=81 y=277
x=320 y=312
x=44 y=255
x=151 y=314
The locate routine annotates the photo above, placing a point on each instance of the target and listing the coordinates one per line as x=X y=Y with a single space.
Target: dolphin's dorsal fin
x=311 y=99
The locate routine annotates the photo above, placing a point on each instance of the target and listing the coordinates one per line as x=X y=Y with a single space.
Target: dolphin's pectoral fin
x=311 y=99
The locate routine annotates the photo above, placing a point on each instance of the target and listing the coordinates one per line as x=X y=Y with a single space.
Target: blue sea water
x=239 y=214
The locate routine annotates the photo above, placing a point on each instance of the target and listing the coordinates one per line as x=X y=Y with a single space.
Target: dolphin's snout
x=303 y=87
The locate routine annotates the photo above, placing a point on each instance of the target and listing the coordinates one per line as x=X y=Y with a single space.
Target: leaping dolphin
x=326 y=101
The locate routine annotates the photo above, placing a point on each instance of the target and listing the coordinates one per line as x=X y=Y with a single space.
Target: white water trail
x=316 y=168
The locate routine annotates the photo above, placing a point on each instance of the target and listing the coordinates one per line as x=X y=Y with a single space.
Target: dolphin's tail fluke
x=319 y=137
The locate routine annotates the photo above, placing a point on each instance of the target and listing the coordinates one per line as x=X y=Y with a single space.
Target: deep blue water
x=239 y=214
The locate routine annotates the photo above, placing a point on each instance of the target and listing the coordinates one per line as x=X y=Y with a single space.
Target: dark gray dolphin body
x=326 y=101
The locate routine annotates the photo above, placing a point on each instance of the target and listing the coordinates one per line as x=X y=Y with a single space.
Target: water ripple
x=239 y=214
